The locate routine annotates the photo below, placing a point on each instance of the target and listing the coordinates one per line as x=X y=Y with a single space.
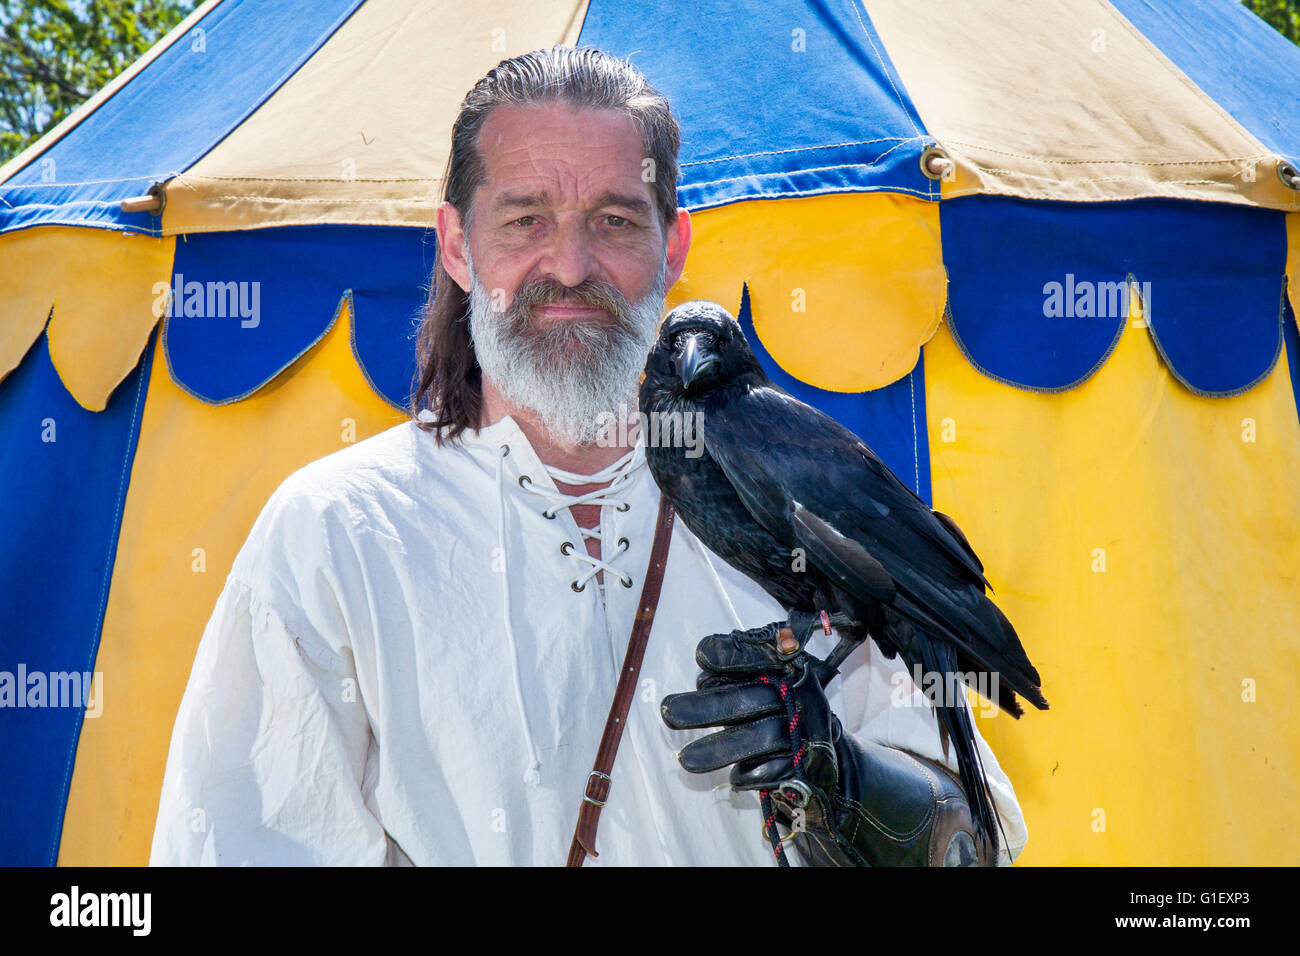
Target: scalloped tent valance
x=1036 y=294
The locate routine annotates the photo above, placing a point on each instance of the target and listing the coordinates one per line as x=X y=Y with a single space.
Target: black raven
x=776 y=475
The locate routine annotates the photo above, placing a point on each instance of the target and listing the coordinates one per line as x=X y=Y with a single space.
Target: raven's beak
x=695 y=361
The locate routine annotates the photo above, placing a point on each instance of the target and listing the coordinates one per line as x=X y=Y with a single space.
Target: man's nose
x=569 y=257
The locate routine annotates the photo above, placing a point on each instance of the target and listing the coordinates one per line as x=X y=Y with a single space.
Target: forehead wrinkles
x=562 y=185
x=571 y=161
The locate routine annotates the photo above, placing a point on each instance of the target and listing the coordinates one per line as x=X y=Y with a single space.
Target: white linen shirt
x=353 y=699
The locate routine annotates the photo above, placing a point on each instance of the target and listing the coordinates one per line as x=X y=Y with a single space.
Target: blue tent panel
x=63 y=479
x=1038 y=291
x=246 y=305
x=890 y=420
x=170 y=115
x=387 y=298
x=1220 y=335
x=1292 y=336
x=834 y=117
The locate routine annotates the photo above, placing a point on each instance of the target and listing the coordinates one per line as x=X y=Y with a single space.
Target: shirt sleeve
x=268 y=756
x=878 y=700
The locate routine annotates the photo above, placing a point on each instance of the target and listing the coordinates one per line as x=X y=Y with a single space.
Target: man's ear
x=451 y=244
x=679 y=244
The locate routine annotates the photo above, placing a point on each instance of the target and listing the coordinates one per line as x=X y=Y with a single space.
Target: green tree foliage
x=1282 y=15
x=54 y=54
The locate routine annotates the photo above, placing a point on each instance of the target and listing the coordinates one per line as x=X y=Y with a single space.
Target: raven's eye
x=703 y=339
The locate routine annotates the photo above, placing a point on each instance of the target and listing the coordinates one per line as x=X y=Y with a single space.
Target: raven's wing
x=811 y=482
x=844 y=560
x=961 y=539
x=778 y=452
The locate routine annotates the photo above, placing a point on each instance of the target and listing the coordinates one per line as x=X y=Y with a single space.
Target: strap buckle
x=599 y=800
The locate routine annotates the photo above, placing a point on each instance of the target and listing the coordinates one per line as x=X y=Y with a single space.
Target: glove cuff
x=891 y=808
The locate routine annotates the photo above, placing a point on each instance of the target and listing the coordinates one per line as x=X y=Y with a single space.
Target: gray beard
x=576 y=373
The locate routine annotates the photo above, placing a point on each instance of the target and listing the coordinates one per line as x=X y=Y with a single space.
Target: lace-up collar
x=504 y=434
x=619 y=475
x=501 y=436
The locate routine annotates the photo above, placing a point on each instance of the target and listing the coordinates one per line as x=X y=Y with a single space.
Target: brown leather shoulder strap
x=598 y=781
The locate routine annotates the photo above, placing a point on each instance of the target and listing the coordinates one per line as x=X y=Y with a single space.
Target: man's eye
x=525 y=220
x=621 y=222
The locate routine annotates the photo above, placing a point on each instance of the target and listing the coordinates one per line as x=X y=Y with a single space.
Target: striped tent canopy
x=1036 y=256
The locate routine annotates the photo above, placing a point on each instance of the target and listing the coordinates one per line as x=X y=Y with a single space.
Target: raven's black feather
x=777 y=475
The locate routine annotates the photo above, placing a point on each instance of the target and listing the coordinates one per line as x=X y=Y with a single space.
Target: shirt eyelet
x=566 y=548
x=626 y=583
x=524 y=478
x=576 y=586
x=623 y=507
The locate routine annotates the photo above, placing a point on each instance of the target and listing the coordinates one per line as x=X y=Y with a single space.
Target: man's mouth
x=553 y=311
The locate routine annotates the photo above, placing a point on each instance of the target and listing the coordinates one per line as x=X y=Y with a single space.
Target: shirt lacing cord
x=619 y=474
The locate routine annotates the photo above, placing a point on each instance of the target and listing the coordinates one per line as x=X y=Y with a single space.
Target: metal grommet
x=623 y=507
x=795 y=792
x=505 y=451
x=577 y=587
x=1287 y=173
x=547 y=514
x=566 y=548
x=627 y=583
x=523 y=478
x=623 y=544
x=936 y=163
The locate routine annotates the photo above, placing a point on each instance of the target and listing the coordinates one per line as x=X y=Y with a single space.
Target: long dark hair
x=448 y=380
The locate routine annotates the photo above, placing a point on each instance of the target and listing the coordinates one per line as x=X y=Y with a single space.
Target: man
x=415 y=651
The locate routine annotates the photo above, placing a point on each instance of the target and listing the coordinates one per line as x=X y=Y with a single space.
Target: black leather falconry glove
x=847 y=802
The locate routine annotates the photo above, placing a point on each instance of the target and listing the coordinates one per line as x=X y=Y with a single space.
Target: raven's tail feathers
x=955 y=717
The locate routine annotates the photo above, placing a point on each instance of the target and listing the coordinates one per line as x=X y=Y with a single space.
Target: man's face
x=566 y=262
